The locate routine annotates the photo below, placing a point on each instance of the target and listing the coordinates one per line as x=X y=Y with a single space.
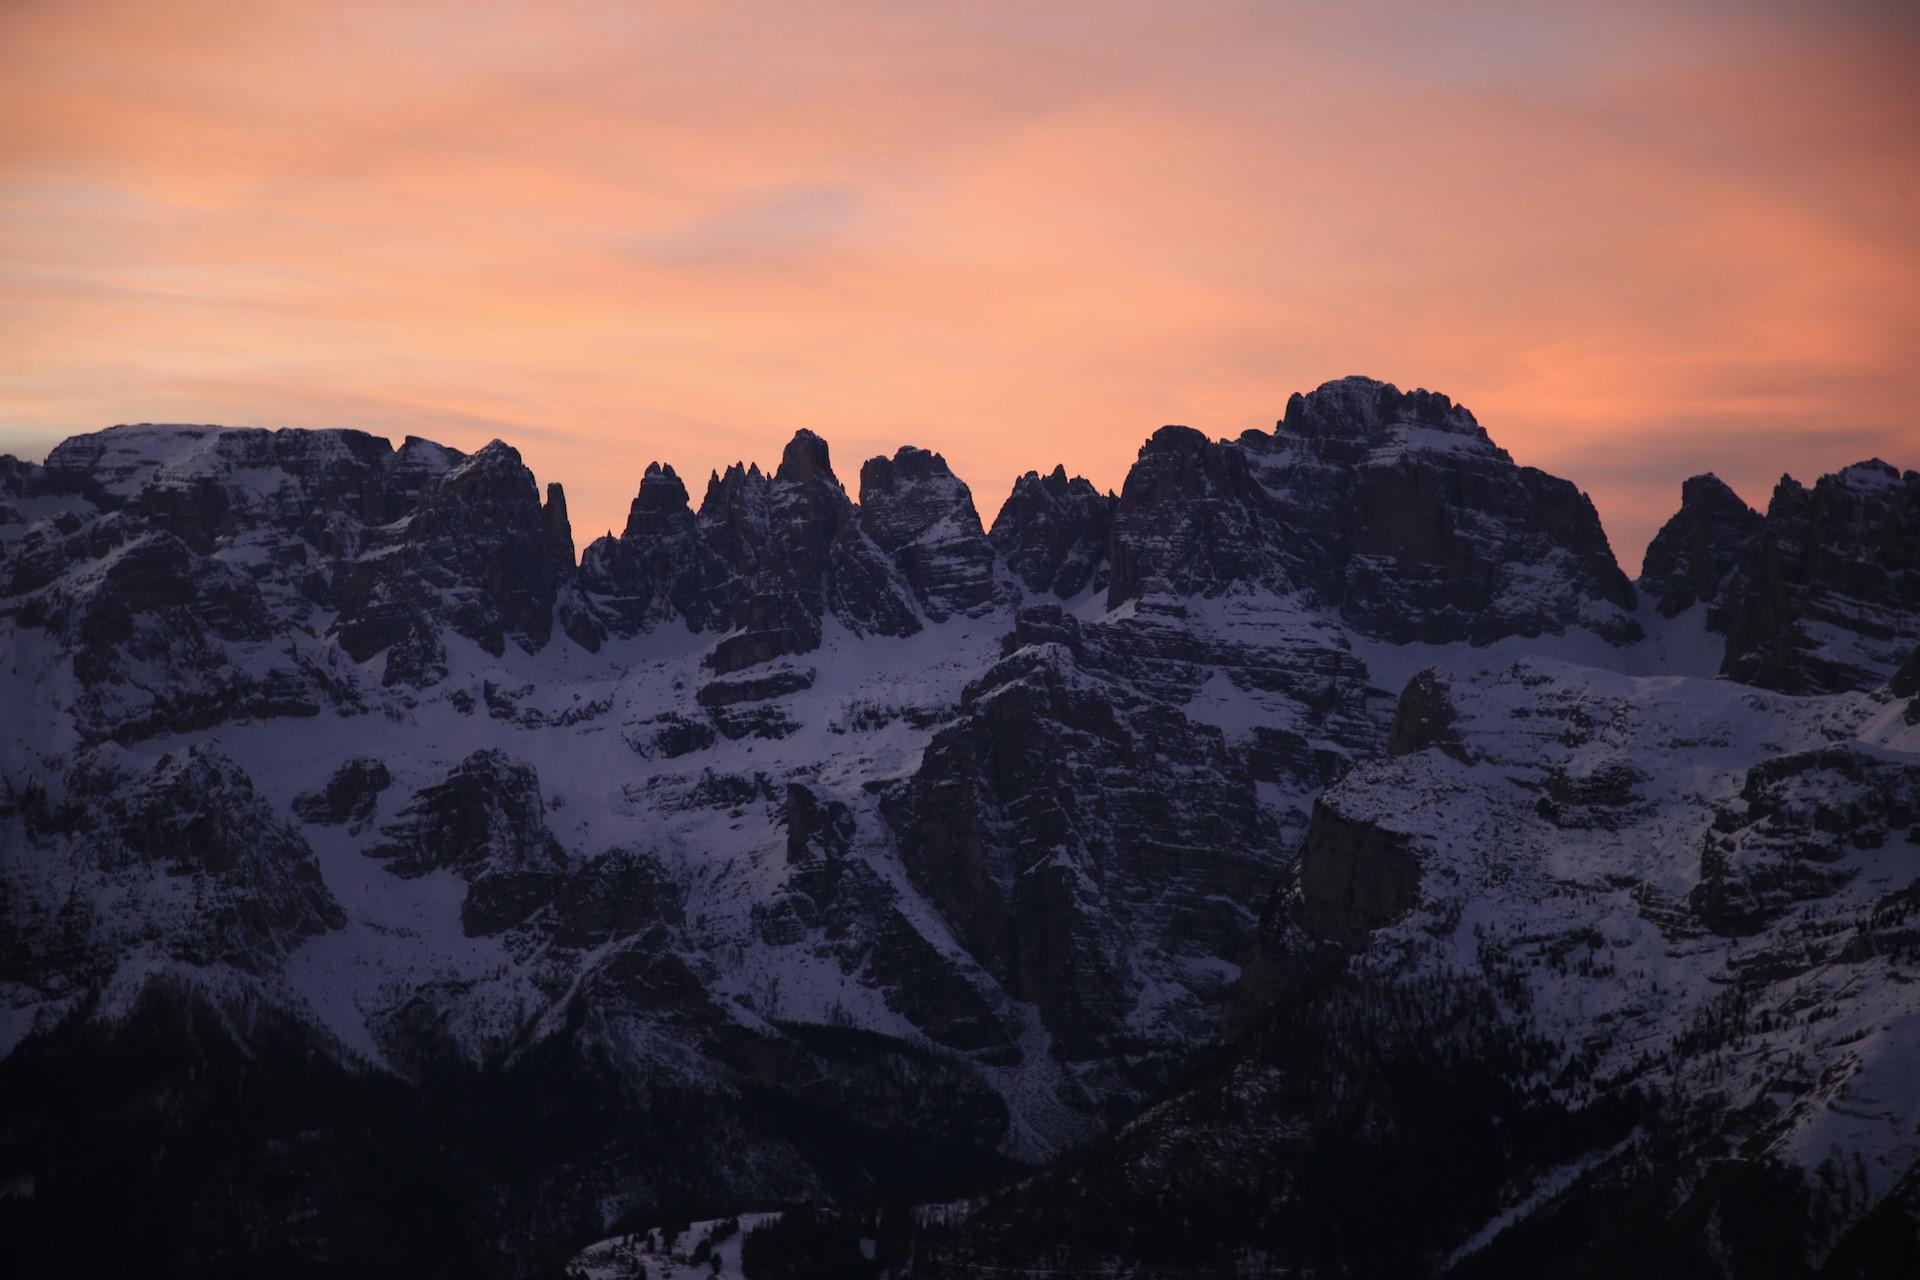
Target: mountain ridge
x=832 y=813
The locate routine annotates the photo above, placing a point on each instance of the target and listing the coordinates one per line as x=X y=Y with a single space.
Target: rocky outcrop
x=1078 y=888
x=486 y=822
x=1191 y=520
x=1790 y=837
x=1052 y=533
x=1698 y=548
x=350 y=796
x=485 y=815
x=762 y=563
x=478 y=551
x=558 y=534
x=180 y=860
x=1425 y=717
x=659 y=568
x=1392 y=508
x=921 y=514
x=794 y=551
x=1353 y=877
x=757 y=688
x=1828 y=596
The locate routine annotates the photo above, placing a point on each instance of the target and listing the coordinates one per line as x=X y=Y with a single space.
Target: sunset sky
x=1637 y=241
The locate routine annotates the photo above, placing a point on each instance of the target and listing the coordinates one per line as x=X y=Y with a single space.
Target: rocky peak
x=424 y=458
x=416 y=464
x=1365 y=411
x=809 y=508
x=660 y=508
x=921 y=514
x=805 y=461
x=1827 y=596
x=481 y=536
x=660 y=567
x=478 y=553
x=765 y=558
x=1695 y=551
x=559 y=530
x=911 y=467
x=1052 y=532
x=1190 y=517
x=734 y=515
x=1392 y=508
x=1869 y=476
x=496 y=460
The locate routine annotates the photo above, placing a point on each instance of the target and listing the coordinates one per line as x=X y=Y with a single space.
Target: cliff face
x=1699 y=548
x=1105 y=903
x=920 y=514
x=1052 y=533
x=1828 y=596
x=1819 y=595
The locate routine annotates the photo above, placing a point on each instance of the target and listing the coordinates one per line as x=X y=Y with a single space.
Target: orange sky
x=1638 y=241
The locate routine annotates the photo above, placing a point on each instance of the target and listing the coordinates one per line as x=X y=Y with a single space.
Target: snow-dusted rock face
x=127 y=863
x=1611 y=971
x=1819 y=595
x=1392 y=508
x=1107 y=902
x=1695 y=891
x=1828 y=597
x=792 y=844
x=659 y=569
x=764 y=562
x=477 y=554
x=921 y=514
x=1052 y=533
x=198 y=573
x=1697 y=549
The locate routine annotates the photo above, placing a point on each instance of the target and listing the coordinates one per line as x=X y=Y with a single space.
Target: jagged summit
x=805 y=460
x=1380 y=415
x=1873 y=473
x=1053 y=533
x=1819 y=594
x=496 y=451
x=1707 y=487
x=661 y=507
x=1827 y=596
x=1693 y=552
x=922 y=515
x=1392 y=508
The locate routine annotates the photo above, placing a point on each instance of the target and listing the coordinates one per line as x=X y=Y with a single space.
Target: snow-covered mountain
x=794 y=845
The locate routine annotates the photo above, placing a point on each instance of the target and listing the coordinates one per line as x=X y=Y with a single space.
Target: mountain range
x=1318 y=855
